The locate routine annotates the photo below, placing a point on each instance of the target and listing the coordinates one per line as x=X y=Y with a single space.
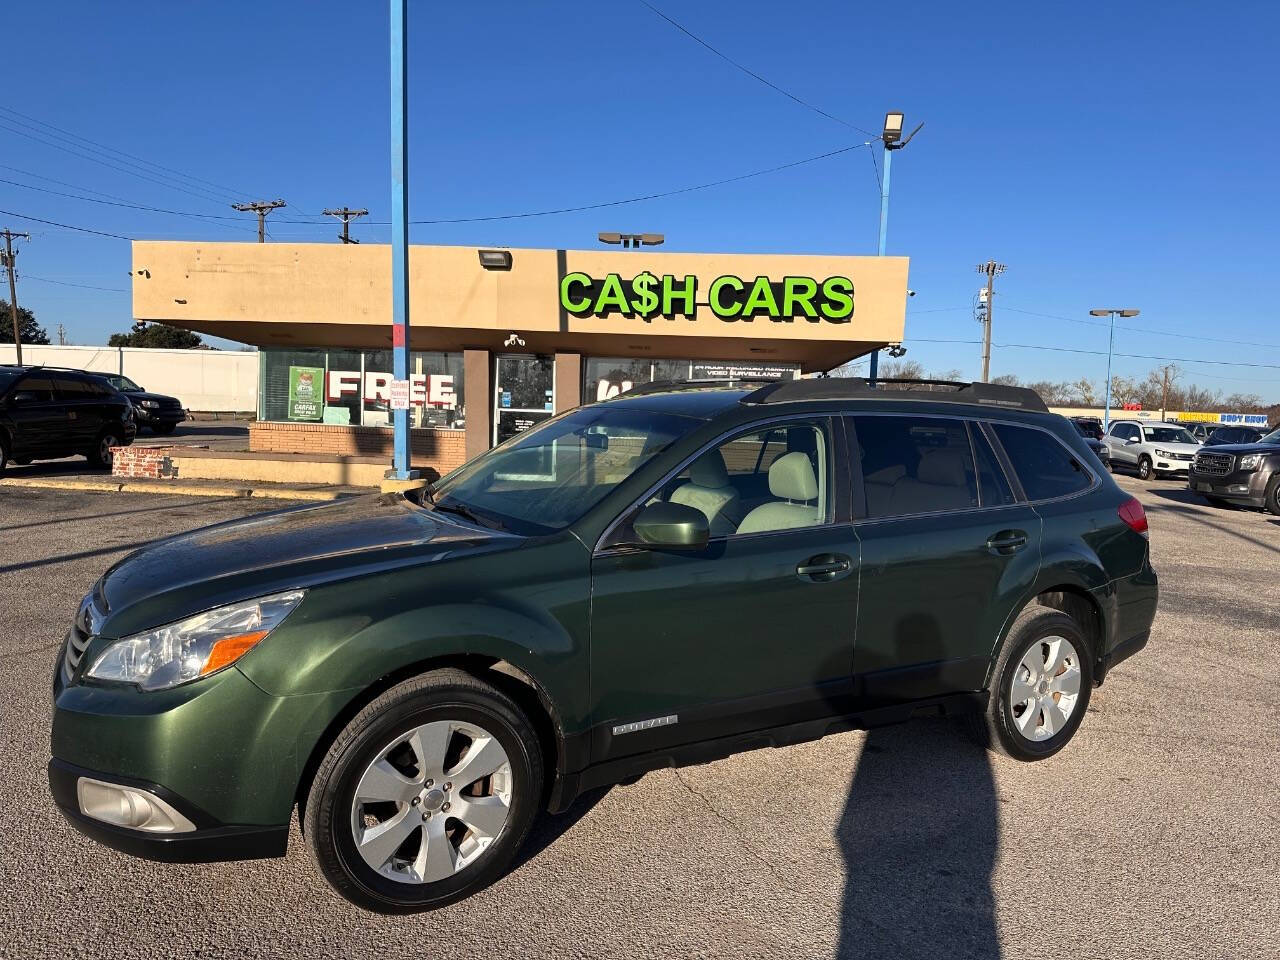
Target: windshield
x=7 y=378
x=1272 y=437
x=1168 y=435
x=122 y=382
x=546 y=478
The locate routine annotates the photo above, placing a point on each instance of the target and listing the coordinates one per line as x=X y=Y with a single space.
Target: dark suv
x=664 y=578
x=155 y=410
x=48 y=413
x=1247 y=474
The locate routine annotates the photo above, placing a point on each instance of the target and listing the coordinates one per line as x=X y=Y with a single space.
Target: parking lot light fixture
x=1111 y=312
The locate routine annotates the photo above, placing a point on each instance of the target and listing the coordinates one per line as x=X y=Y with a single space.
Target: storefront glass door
x=524 y=394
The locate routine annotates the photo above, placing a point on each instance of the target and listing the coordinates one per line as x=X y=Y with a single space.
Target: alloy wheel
x=432 y=802
x=1045 y=688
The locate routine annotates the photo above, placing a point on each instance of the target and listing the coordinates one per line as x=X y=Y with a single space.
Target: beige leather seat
x=941 y=483
x=791 y=479
x=708 y=490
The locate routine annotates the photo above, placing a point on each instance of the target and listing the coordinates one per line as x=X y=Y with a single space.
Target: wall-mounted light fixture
x=495 y=259
x=632 y=239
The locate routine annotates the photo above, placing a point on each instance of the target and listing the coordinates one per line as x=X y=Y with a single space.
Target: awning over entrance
x=818 y=311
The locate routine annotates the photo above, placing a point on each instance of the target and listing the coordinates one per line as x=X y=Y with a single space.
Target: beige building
x=504 y=338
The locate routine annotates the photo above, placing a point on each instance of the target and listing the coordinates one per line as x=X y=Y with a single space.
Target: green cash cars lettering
x=760 y=301
x=838 y=292
x=686 y=294
x=568 y=300
x=725 y=310
x=797 y=297
x=612 y=298
x=644 y=299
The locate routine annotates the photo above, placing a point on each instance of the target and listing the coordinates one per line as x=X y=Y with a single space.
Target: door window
x=914 y=465
x=524 y=394
x=33 y=390
x=1045 y=467
x=772 y=479
x=73 y=388
x=993 y=485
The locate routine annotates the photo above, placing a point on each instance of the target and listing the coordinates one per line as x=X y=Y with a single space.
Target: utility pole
x=62 y=335
x=992 y=270
x=346 y=215
x=261 y=208
x=12 y=267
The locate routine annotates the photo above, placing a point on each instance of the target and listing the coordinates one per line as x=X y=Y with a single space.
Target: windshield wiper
x=462 y=510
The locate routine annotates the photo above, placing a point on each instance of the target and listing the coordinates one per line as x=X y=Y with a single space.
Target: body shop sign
x=732 y=299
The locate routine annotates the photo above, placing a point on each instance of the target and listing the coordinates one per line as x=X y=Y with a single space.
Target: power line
x=65 y=226
x=131 y=206
x=751 y=73
x=71 y=137
x=68 y=283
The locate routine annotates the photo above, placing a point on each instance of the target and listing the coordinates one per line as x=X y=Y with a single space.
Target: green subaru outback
x=668 y=577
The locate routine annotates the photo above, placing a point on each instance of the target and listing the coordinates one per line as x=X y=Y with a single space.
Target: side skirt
x=568 y=786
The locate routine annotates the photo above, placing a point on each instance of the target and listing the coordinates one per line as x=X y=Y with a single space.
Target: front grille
x=1182 y=456
x=78 y=638
x=1214 y=464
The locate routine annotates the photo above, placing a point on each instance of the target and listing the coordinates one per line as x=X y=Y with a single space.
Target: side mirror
x=672 y=525
x=1131 y=440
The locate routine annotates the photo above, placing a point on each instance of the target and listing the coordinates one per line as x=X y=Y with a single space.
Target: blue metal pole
x=400 y=229
x=884 y=238
x=1106 y=414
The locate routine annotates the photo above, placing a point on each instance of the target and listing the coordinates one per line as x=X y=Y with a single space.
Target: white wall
x=201 y=379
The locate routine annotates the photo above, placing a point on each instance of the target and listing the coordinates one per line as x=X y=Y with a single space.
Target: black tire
x=995 y=727
x=1271 y=499
x=4 y=452
x=1145 y=469
x=163 y=428
x=100 y=455
x=447 y=694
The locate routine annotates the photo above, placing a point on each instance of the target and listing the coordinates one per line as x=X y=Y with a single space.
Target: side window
x=34 y=390
x=1045 y=467
x=993 y=485
x=1123 y=431
x=72 y=388
x=915 y=465
x=773 y=479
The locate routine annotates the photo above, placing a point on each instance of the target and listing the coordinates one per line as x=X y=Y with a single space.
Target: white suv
x=1151 y=448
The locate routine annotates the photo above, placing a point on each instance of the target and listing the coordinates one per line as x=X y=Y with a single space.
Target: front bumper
x=1164 y=465
x=210 y=841
x=160 y=415
x=1238 y=486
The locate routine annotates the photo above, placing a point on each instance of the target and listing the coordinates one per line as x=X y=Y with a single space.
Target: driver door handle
x=824 y=568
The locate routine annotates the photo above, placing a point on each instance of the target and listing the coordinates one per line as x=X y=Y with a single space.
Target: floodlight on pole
x=891 y=137
x=1111 y=312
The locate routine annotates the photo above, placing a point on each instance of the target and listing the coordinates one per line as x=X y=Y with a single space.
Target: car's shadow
x=547 y=829
x=919 y=836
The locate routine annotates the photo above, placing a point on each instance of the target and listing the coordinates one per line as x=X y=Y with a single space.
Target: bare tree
x=1198 y=398
x=1084 y=392
x=1007 y=380
x=1244 y=403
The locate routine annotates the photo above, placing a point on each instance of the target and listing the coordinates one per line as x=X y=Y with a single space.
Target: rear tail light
x=1134 y=516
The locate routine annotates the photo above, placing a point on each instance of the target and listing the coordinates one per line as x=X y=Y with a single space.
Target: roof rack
x=668 y=386
x=858 y=388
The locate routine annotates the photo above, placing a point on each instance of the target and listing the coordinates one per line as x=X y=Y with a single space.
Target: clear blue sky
x=1110 y=154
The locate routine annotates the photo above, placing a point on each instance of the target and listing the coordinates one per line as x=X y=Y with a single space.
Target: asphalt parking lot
x=1154 y=834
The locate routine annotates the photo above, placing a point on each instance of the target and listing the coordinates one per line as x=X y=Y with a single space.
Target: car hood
x=181 y=575
x=1239 y=448
x=148 y=395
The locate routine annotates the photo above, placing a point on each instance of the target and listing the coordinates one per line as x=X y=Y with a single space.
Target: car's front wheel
x=101 y=455
x=1040 y=687
x=426 y=795
x=1271 y=500
x=1145 y=469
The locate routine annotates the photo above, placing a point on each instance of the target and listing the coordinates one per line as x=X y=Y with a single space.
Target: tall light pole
x=399 y=235
x=1111 y=343
x=892 y=140
x=992 y=270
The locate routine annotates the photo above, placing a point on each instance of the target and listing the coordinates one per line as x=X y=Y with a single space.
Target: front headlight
x=150 y=404
x=1164 y=453
x=1251 y=461
x=195 y=647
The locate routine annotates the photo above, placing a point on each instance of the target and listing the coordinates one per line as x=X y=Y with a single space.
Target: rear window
x=1045 y=468
x=915 y=465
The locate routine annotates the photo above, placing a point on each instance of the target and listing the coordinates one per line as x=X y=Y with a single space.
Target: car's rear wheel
x=1040 y=687
x=426 y=795
x=101 y=455
x=1145 y=469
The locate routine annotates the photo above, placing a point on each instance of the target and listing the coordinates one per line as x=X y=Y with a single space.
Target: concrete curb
x=165 y=487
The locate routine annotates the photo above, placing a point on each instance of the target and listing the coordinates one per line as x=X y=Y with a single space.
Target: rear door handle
x=824 y=568
x=1007 y=541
